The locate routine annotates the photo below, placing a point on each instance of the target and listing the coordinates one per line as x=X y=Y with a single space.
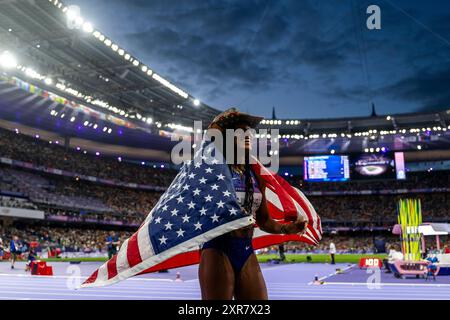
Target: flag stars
x=215 y=218
x=191 y=205
x=174 y=212
x=208 y=198
x=220 y=204
x=191 y=175
x=202 y=180
x=196 y=192
x=158 y=220
x=186 y=187
x=185 y=218
x=214 y=187
x=220 y=177
x=180 y=233
x=162 y=240
x=203 y=211
x=180 y=199
x=198 y=226
x=165 y=207
x=226 y=193
x=208 y=170
x=233 y=212
x=197 y=165
x=168 y=226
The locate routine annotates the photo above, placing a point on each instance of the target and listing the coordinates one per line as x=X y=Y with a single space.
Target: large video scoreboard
x=326 y=168
x=357 y=167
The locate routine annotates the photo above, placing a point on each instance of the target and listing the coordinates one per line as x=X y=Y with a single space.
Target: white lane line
x=78 y=277
x=110 y=290
x=316 y=297
x=332 y=274
x=97 y=295
x=390 y=284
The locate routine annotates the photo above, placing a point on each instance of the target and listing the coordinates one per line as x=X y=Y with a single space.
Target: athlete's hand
x=297 y=226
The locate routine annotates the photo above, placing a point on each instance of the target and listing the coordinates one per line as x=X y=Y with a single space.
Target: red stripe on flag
x=133 y=255
x=273 y=239
x=294 y=194
x=92 y=278
x=289 y=209
x=112 y=269
x=180 y=260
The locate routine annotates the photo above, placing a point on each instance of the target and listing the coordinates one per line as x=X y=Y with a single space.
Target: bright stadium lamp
x=196 y=102
x=79 y=21
x=7 y=60
x=48 y=81
x=71 y=13
x=87 y=27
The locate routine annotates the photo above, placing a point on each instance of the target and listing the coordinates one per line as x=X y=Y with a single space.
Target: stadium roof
x=59 y=51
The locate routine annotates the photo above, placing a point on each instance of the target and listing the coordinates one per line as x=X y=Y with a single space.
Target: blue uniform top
x=12 y=246
x=110 y=241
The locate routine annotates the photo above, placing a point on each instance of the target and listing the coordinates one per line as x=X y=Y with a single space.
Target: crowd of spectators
x=42 y=153
x=70 y=197
x=378 y=209
x=415 y=180
x=66 y=239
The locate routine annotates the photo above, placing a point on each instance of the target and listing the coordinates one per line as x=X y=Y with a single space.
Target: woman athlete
x=228 y=265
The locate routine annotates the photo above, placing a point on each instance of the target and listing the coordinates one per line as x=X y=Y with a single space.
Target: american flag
x=199 y=205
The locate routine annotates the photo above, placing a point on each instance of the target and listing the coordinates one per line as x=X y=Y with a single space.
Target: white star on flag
x=180 y=233
x=163 y=240
x=220 y=204
x=191 y=205
x=185 y=218
x=168 y=226
x=198 y=226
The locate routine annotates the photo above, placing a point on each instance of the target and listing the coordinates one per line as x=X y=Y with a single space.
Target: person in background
x=112 y=241
x=31 y=258
x=446 y=249
x=332 y=252
x=1 y=249
x=281 y=252
x=14 y=249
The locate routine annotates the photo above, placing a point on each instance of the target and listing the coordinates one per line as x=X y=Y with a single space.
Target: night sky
x=308 y=59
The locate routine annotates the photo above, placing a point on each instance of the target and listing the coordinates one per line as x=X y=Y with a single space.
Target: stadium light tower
x=196 y=102
x=7 y=60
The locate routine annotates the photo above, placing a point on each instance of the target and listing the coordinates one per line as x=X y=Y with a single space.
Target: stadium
x=86 y=138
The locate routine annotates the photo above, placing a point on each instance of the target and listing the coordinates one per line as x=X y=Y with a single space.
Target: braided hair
x=249 y=190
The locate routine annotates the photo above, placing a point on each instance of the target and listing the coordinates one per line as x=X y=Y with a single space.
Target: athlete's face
x=245 y=143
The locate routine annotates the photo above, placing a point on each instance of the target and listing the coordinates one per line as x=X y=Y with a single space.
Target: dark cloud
x=428 y=89
x=265 y=52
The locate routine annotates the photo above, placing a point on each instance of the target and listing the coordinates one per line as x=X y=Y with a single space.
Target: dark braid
x=248 y=201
